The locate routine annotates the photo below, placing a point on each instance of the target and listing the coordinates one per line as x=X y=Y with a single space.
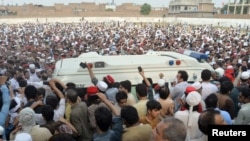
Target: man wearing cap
x=28 y=125
x=218 y=67
x=244 y=77
x=93 y=103
x=157 y=88
x=109 y=90
x=33 y=75
x=190 y=116
x=198 y=88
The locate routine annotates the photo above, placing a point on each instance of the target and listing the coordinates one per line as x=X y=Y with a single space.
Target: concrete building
x=239 y=4
x=110 y=6
x=192 y=8
x=5 y=11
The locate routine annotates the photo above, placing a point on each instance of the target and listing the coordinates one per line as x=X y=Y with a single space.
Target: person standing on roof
x=106 y=85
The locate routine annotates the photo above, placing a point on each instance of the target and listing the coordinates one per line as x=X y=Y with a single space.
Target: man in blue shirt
x=211 y=102
x=5 y=103
x=105 y=120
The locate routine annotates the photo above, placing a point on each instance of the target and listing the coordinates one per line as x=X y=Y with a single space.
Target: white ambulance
x=125 y=67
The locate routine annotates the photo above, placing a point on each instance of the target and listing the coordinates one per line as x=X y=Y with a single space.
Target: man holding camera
x=110 y=91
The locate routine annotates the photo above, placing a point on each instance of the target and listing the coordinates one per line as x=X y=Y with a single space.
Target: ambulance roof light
x=201 y=57
x=178 y=62
x=171 y=62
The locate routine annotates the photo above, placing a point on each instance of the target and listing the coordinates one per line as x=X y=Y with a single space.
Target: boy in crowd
x=152 y=116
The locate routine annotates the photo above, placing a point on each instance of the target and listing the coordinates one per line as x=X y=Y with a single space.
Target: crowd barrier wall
x=172 y=20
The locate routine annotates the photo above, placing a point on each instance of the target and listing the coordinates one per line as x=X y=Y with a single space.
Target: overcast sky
x=154 y=3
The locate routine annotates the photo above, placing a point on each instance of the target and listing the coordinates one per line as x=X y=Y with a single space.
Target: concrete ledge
x=172 y=20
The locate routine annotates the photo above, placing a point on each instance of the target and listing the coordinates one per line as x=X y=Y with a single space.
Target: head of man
x=209 y=117
x=129 y=115
x=71 y=95
x=153 y=108
x=27 y=119
x=164 y=92
x=169 y=129
x=32 y=68
x=244 y=96
x=30 y=92
x=47 y=112
x=182 y=76
x=125 y=86
x=103 y=118
x=121 y=98
x=141 y=90
x=206 y=75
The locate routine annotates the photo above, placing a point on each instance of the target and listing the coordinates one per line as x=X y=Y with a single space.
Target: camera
x=139 y=68
x=83 y=65
x=45 y=83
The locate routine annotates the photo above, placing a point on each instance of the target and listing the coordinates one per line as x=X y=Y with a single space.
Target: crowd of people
x=37 y=107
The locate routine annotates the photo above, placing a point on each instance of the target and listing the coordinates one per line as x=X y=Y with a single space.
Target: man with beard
x=33 y=75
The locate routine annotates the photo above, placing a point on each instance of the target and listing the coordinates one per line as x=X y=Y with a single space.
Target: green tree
x=109 y=9
x=145 y=9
